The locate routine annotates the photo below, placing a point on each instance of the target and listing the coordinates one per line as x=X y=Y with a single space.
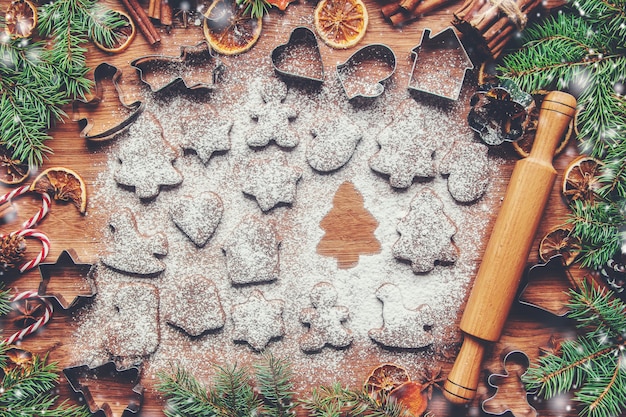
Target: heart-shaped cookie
x=364 y=73
x=198 y=216
x=300 y=57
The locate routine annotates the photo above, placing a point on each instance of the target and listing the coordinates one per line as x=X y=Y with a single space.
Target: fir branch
x=598 y=311
x=233 y=393
x=255 y=8
x=274 y=384
x=185 y=396
x=5 y=306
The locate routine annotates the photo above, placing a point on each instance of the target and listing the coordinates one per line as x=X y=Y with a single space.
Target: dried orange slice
x=229 y=29
x=559 y=241
x=580 y=180
x=412 y=395
x=20 y=18
x=385 y=378
x=341 y=23
x=123 y=36
x=12 y=171
x=524 y=144
x=62 y=184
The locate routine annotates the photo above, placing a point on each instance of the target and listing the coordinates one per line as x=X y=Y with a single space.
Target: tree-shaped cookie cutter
x=86 y=123
x=171 y=70
x=354 y=77
x=295 y=68
x=497 y=406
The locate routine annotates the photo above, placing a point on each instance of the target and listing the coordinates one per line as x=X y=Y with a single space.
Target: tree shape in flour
x=258 y=320
x=349 y=228
x=273 y=117
x=271 y=182
x=145 y=159
x=406 y=152
x=133 y=252
x=402 y=327
x=325 y=320
x=426 y=234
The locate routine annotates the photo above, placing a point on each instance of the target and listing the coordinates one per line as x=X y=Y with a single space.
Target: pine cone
x=12 y=249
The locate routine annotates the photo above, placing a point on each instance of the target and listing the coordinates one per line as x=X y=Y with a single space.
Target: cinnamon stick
x=166 y=13
x=142 y=21
x=398 y=14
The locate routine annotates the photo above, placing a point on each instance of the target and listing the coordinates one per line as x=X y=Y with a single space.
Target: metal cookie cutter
x=441 y=62
x=105 y=76
x=365 y=72
x=533 y=289
x=196 y=67
x=98 y=385
x=77 y=279
x=300 y=58
x=516 y=364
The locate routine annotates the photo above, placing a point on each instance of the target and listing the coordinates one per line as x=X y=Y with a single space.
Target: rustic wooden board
x=526 y=329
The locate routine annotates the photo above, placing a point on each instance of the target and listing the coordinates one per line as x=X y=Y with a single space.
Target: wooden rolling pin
x=508 y=248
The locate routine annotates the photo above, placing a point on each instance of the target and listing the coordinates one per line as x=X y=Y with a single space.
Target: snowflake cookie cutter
x=162 y=71
x=355 y=75
x=444 y=58
x=67 y=268
x=514 y=361
x=553 y=272
x=87 y=123
x=299 y=59
x=97 y=384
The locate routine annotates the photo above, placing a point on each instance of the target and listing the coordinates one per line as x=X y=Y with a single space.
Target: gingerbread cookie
x=194 y=306
x=406 y=152
x=133 y=252
x=132 y=326
x=206 y=136
x=273 y=117
x=426 y=234
x=271 y=182
x=252 y=252
x=402 y=327
x=333 y=144
x=145 y=159
x=257 y=321
x=198 y=216
x=325 y=320
x=467 y=165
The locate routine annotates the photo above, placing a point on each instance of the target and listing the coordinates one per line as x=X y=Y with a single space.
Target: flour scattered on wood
x=443 y=289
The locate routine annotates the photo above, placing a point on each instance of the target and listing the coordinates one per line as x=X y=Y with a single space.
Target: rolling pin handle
x=460 y=386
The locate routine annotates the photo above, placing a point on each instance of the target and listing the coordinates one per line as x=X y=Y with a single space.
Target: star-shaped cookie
x=258 y=320
x=206 y=137
x=271 y=182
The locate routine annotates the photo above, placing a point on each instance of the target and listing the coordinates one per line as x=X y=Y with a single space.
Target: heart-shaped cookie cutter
x=351 y=73
x=295 y=67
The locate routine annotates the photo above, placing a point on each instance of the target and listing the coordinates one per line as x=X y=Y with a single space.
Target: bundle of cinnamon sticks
x=161 y=10
x=399 y=12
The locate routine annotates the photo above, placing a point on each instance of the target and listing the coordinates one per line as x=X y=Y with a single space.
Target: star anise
x=28 y=311
x=429 y=378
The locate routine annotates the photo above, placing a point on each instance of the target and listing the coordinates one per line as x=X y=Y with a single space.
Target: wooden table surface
x=526 y=329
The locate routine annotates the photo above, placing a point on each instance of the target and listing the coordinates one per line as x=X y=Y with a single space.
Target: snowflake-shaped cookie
x=325 y=320
x=334 y=144
x=402 y=327
x=257 y=320
x=271 y=182
x=145 y=159
x=468 y=167
x=133 y=252
x=252 y=252
x=273 y=118
x=406 y=152
x=195 y=306
x=426 y=234
x=206 y=136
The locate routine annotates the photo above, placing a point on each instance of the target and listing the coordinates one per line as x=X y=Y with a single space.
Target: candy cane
x=19 y=335
x=45 y=205
x=45 y=247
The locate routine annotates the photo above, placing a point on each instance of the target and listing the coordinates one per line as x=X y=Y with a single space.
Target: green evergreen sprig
x=593 y=365
x=25 y=390
x=255 y=8
x=274 y=381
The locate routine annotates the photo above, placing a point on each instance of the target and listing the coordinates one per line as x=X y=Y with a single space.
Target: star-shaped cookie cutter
x=66 y=268
x=106 y=374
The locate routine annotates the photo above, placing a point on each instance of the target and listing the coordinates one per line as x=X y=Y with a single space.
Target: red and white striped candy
x=47 y=315
x=45 y=205
x=45 y=247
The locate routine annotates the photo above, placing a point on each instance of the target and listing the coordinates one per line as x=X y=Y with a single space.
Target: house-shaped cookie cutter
x=433 y=74
x=67 y=267
x=305 y=39
x=86 y=123
x=349 y=74
x=180 y=68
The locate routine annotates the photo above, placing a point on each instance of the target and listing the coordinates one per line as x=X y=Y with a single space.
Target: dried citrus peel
x=62 y=184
